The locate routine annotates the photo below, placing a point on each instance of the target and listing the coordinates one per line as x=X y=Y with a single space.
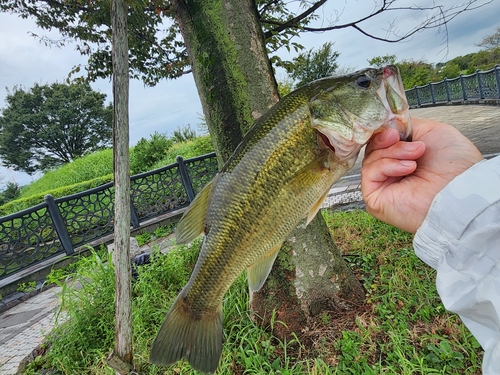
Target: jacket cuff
x=454 y=208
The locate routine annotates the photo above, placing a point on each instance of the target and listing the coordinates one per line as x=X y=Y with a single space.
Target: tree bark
x=236 y=84
x=121 y=358
x=230 y=66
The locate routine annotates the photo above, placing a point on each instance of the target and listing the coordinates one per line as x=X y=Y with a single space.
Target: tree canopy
x=49 y=125
x=313 y=64
x=157 y=50
x=380 y=61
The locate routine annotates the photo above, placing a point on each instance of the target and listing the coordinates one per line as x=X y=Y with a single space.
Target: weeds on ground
x=402 y=329
x=160 y=232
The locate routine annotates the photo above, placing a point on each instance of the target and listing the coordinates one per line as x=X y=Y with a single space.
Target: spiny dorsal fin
x=192 y=222
x=259 y=271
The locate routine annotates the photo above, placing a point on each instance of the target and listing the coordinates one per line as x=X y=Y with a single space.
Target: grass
x=100 y=163
x=96 y=164
x=401 y=329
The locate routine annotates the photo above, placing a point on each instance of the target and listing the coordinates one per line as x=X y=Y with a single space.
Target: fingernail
x=407 y=163
x=410 y=146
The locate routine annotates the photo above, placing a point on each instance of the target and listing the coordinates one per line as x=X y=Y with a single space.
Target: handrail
x=481 y=85
x=60 y=225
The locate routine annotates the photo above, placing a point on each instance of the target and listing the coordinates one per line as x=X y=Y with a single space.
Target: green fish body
x=279 y=175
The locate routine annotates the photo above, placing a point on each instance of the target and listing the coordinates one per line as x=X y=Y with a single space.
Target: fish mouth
x=392 y=111
x=392 y=94
x=344 y=149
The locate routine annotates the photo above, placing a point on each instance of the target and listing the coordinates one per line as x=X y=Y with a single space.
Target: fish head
x=346 y=111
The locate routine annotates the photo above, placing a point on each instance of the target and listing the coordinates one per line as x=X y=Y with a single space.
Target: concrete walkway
x=23 y=327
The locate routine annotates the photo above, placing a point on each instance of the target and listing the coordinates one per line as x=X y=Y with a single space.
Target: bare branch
x=439 y=18
x=294 y=21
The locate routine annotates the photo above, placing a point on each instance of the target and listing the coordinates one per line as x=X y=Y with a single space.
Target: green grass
x=96 y=164
x=401 y=329
x=100 y=164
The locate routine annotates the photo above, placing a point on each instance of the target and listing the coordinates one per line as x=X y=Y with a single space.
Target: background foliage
x=49 y=125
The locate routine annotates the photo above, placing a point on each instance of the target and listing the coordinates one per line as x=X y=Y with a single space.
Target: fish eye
x=364 y=81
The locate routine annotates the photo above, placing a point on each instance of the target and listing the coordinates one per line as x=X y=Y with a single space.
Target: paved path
x=23 y=327
x=479 y=123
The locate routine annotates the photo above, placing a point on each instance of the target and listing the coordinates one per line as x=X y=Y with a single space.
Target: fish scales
x=277 y=176
x=256 y=203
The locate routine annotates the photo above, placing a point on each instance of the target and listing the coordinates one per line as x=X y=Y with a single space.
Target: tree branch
x=294 y=21
x=439 y=18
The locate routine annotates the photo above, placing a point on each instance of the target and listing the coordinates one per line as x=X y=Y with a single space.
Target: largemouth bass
x=279 y=175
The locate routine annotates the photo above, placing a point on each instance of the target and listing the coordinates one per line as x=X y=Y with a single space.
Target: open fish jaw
x=352 y=122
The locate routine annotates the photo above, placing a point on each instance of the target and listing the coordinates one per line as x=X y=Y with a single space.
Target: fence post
x=134 y=219
x=60 y=227
x=418 y=96
x=497 y=75
x=480 y=84
x=186 y=181
x=447 y=89
x=431 y=89
x=462 y=83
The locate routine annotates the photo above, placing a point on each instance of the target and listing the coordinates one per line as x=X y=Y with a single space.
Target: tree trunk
x=236 y=85
x=230 y=66
x=121 y=358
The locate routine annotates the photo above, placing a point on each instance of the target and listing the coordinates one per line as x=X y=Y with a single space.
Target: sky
x=25 y=61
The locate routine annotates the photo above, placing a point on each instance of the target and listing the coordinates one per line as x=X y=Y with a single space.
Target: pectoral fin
x=314 y=210
x=192 y=222
x=259 y=271
x=309 y=175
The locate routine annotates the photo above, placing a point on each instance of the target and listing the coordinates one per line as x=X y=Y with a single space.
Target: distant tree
x=484 y=59
x=11 y=192
x=49 y=125
x=183 y=134
x=285 y=87
x=380 y=61
x=415 y=73
x=313 y=64
x=491 y=41
x=448 y=70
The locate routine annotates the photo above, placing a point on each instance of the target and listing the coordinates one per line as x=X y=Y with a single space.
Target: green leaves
x=49 y=125
x=314 y=65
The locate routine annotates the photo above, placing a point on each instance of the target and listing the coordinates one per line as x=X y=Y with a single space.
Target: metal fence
x=479 y=85
x=59 y=226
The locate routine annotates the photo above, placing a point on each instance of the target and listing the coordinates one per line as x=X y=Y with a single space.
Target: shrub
x=11 y=192
x=148 y=152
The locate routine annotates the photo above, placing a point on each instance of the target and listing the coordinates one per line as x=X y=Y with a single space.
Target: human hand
x=400 y=179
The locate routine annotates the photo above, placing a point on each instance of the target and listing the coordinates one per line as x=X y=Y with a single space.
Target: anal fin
x=259 y=271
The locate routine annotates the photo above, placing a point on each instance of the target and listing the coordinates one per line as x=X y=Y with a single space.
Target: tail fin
x=197 y=338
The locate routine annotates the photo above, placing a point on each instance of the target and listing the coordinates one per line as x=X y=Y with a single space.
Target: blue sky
x=25 y=61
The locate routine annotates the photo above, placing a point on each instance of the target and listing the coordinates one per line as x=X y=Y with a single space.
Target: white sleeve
x=460 y=238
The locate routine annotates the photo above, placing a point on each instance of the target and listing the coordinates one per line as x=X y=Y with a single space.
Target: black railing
x=59 y=226
x=480 y=85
